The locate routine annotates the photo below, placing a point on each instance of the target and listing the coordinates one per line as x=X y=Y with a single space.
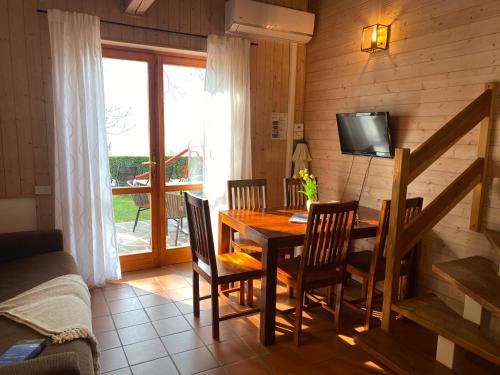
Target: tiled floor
x=145 y=325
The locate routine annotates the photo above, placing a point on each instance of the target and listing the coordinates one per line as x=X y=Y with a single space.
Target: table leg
x=224 y=243
x=268 y=293
x=224 y=237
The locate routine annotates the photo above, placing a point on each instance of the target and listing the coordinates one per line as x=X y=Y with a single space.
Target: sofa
x=28 y=259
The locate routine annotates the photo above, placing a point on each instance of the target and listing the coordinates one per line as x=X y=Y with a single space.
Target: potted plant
x=310 y=187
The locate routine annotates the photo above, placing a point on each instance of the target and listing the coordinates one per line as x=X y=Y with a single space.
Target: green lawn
x=125 y=209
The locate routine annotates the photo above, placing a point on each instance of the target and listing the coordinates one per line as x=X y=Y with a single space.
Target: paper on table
x=298 y=218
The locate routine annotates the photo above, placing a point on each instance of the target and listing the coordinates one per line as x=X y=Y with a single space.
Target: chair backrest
x=328 y=235
x=174 y=205
x=140 y=199
x=413 y=208
x=247 y=194
x=293 y=197
x=200 y=231
x=125 y=174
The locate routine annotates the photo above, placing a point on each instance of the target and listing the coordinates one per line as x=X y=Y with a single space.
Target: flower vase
x=308 y=204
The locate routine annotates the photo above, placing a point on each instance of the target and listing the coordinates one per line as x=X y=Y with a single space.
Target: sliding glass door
x=154 y=127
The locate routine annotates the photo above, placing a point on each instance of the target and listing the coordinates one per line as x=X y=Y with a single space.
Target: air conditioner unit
x=254 y=19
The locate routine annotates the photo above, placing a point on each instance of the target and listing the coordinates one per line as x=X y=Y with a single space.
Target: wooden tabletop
x=273 y=223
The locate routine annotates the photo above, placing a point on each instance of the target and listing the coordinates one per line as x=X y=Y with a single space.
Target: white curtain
x=228 y=153
x=83 y=200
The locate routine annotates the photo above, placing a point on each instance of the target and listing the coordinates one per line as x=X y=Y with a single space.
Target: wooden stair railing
x=408 y=166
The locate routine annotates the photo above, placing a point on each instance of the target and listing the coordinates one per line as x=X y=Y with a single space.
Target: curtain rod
x=181 y=33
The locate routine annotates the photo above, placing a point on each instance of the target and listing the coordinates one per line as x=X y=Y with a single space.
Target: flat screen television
x=366 y=134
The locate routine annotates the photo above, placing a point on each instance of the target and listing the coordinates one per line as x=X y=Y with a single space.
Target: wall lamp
x=375 y=38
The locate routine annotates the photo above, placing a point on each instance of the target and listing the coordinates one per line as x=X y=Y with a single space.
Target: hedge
x=116 y=162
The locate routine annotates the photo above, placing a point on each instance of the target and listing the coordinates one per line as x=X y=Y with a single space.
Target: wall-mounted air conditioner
x=251 y=18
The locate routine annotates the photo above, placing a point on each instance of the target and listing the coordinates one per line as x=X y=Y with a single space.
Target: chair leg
x=297 y=330
x=177 y=233
x=196 y=294
x=364 y=288
x=290 y=291
x=370 y=297
x=338 y=305
x=136 y=219
x=250 y=293
x=242 y=293
x=215 y=311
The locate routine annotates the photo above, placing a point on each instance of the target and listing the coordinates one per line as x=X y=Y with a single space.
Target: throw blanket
x=59 y=309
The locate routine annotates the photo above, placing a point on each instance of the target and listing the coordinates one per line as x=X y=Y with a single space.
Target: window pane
x=132 y=223
x=127 y=121
x=183 y=116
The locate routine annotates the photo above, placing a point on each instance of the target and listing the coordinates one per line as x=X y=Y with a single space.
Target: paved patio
x=130 y=242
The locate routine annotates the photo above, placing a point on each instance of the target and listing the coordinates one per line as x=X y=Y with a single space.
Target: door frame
x=159 y=254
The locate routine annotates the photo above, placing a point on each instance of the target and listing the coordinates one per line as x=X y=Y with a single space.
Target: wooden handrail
x=441 y=141
x=441 y=205
x=408 y=166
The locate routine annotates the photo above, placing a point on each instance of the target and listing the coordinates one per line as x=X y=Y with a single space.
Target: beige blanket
x=59 y=309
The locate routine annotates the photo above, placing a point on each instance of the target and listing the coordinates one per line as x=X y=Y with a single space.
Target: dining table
x=271 y=229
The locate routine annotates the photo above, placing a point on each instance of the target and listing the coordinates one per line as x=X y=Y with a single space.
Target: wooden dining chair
x=370 y=265
x=246 y=195
x=217 y=270
x=323 y=261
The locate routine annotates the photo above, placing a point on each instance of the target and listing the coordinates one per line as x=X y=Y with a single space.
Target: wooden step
x=476 y=277
x=396 y=353
x=430 y=312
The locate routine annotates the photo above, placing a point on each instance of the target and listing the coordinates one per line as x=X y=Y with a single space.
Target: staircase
x=465 y=343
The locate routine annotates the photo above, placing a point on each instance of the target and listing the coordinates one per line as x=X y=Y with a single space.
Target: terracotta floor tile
x=122 y=371
x=100 y=309
x=214 y=371
x=162 y=366
x=225 y=333
x=102 y=324
x=250 y=366
x=230 y=351
x=194 y=361
x=142 y=332
x=144 y=351
x=162 y=311
x=113 y=359
x=281 y=361
x=124 y=305
x=130 y=318
x=186 y=305
x=203 y=320
x=172 y=281
x=121 y=293
x=152 y=299
x=172 y=325
x=108 y=340
x=180 y=294
x=181 y=342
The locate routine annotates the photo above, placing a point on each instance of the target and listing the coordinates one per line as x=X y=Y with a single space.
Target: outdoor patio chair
x=141 y=200
x=176 y=210
x=125 y=174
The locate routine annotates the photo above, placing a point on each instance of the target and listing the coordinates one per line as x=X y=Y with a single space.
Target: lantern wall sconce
x=375 y=38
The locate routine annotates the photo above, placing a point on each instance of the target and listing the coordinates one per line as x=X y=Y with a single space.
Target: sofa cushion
x=20 y=275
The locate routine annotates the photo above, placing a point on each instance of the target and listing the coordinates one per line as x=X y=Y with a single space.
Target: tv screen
x=365 y=134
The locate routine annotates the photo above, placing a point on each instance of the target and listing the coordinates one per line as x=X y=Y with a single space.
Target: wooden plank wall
x=441 y=53
x=26 y=116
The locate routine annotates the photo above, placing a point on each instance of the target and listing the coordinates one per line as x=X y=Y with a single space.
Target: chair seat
x=233 y=267
x=288 y=271
x=245 y=244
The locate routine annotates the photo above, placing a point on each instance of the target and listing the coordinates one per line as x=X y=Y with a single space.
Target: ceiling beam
x=137 y=7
